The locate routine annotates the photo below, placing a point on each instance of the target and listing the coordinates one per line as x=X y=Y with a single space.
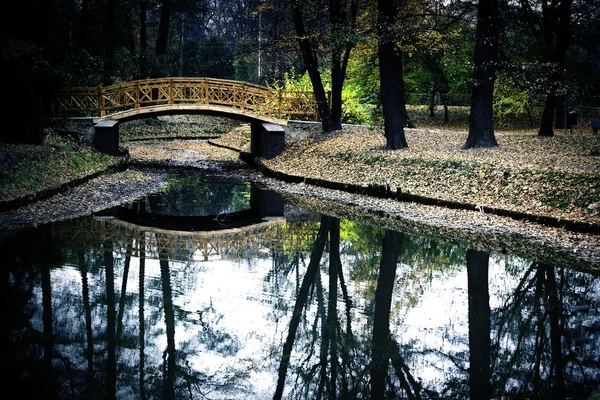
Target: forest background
x=548 y=52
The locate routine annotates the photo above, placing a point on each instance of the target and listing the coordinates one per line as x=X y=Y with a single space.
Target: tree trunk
x=143 y=41
x=163 y=28
x=301 y=299
x=111 y=360
x=83 y=36
x=560 y=121
x=479 y=325
x=555 y=312
x=123 y=295
x=383 y=303
x=141 y=311
x=481 y=126
x=168 y=392
x=563 y=40
x=337 y=83
x=110 y=40
x=89 y=354
x=312 y=66
x=341 y=44
x=391 y=78
x=50 y=389
x=332 y=312
x=546 y=128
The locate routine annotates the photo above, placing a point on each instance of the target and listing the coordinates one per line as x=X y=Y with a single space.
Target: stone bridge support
x=106 y=137
x=267 y=140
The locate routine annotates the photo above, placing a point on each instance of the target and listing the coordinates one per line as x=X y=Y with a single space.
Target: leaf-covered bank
x=558 y=177
x=28 y=172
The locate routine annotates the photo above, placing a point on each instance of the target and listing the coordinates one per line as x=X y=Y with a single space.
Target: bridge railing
x=262 y=100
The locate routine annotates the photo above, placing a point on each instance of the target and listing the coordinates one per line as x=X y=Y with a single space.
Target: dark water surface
x=221 y=291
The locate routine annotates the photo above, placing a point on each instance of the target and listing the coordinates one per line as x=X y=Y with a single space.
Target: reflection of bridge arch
x=233 y=243
x=263 y=204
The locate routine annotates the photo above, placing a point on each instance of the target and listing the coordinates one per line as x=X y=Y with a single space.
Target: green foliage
x=515 y=107
x=246 y=61
x=80 y=68
x=356 y=108
x=210 y=58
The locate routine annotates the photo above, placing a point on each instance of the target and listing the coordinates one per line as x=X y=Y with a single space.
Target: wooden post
x=101 y=110
x=280 y=103
x=242 y=97
x=171 y=91
x=137 y=94
x=203 y=93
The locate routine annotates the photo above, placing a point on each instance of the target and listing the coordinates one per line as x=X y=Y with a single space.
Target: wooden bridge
x=151 y=97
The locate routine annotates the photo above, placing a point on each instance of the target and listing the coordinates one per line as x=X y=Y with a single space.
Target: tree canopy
x=547 y=59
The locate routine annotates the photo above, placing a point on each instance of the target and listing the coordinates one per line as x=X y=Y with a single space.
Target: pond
x=222 y=290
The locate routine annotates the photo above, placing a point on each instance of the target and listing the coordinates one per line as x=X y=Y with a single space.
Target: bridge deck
x=188 y=95
x=170 y=109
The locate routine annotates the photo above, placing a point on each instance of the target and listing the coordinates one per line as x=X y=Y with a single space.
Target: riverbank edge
x=45 y=193
x=373 y=190
x=384 y=192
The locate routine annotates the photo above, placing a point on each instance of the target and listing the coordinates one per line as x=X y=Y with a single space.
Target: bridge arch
x=190 y=109
x=180 y=95
x=266 y=108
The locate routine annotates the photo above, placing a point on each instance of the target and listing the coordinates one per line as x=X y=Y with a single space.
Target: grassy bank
x=27 y=171
x=557 y=177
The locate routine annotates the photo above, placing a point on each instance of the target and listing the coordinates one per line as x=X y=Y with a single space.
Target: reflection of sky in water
x=232 y=316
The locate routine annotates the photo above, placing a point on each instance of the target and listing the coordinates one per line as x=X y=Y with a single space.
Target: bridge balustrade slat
x=247 y=97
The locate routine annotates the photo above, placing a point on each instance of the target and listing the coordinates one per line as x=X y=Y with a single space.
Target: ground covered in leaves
x=176 y=126
x=26 y=170
x=557 y=177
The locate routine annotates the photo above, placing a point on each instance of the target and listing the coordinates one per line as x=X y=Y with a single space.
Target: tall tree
x=143 y=40
x=481 y=125
x=391 y=76
x=162 y=39
x=110 y=41
x=311 y=63
x=555 y=28
x=342 y=20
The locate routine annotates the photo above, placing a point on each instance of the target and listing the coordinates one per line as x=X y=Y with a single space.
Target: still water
x=223 y=291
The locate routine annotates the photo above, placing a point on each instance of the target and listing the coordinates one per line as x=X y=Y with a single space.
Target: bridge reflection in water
x=110 y=307
x=237 y=234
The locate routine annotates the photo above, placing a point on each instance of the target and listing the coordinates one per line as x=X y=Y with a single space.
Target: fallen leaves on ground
x=176 y=126
x=178 y=150
x=29 y=169
x=556 y=176
x=238 y=138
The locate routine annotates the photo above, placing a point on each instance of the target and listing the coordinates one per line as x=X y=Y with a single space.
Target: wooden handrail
x=244 y=96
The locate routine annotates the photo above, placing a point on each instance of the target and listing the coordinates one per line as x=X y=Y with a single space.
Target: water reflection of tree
x=539 y=346
x=479 y=324
x=191 y=194
x=384 y=346
x=329 y=362
x=534 y=336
